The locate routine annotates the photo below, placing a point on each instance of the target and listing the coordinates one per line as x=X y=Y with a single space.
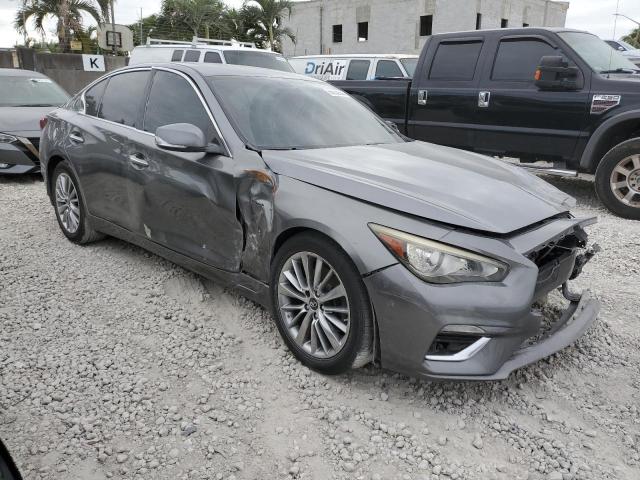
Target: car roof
x=17 y=72
x=356 y=55
x=200 y=46
x=512 y=31
x=221 y=69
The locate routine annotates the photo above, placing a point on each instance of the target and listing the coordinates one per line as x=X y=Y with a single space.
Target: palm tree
x=105 y=10
x=68 y=12
x=198 y=15
x=269 y=25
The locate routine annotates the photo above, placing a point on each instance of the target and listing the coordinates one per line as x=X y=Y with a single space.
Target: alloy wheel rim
x=625 y=181
x=67 y=203
x=314 y=305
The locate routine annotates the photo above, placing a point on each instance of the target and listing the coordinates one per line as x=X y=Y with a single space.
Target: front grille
x=556 y=250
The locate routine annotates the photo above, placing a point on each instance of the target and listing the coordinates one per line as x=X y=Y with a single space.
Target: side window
x=182 y=106
x=456 y=61
x=124 y=97
x=358 y=69
x=388 y=68
x=177 y=55
x=192 y=56
x=93 y=96
x=518 y=59
x=77 y=105
x=212 y=57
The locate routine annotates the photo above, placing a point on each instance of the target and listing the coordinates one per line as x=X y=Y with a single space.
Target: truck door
x=444 y=99
x=516 y=118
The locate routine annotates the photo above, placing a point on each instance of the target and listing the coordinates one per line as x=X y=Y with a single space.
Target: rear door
x=443 y=106
x=519 y=119
x=100 y=138
x=184 y=201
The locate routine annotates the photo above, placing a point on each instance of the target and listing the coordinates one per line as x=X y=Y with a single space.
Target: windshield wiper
x=620 y=70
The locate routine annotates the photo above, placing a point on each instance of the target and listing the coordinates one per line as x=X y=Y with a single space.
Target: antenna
x=615 y=29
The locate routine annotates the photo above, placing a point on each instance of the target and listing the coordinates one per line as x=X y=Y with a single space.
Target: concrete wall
x=394 y=24
x=65 y=69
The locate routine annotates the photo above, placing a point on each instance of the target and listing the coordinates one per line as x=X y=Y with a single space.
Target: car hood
x=430 y=181
x=22 y=120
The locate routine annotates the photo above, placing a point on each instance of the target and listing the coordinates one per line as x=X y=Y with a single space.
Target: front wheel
x=320 y=305
x=618 y=180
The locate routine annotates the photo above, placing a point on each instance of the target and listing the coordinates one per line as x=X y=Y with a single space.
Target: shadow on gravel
x=582 y=189
x=26 y=179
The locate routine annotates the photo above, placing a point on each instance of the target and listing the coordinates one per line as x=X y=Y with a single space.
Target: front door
x=184 y=201
x=444 y=100
x=520 y=120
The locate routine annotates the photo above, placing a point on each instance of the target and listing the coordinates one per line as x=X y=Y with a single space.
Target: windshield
x=410 y=65
x=261 y=59
x=19 y=91
x=286 y=114
x=600 y=56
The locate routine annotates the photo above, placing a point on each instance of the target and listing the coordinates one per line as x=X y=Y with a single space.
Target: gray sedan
x=25 y=98
x=366 y=245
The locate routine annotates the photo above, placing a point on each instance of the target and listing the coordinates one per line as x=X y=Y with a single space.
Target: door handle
x=484 y=99
x=138 y=160
x=423 y=96
x=75 y=137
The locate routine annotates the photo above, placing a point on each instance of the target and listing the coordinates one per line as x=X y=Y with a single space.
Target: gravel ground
x=114 y=363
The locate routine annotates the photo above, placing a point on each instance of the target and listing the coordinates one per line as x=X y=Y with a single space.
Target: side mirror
x=8 y=469
x=621 y=49
x=184 y=137
x=554 y=73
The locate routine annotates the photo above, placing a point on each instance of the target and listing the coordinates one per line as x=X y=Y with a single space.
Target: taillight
x=43 y=122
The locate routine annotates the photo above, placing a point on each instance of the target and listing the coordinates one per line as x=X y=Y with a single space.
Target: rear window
x=253 y=58
x=456 y=60
x=177 y=55
x=358 y=69
x=192 y=56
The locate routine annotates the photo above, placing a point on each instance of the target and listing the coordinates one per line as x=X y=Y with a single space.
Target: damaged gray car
x=366 y=245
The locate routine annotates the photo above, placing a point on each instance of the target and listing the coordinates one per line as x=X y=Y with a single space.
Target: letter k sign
x=93 y=63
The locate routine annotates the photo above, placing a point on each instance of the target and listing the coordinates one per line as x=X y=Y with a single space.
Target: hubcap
x=314 y=305
x=67 y=203
x=625 y=181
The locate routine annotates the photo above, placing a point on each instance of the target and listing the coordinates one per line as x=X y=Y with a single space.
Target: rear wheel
x=618 y=180
x=320 y=305
x=69 y=206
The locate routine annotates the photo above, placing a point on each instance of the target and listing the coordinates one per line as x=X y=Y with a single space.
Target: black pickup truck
x=562 y=96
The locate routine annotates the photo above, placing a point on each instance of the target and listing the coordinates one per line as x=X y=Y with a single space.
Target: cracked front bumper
x=19 y=157
x=411 y=313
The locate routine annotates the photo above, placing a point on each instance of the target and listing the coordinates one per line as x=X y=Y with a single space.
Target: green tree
x=268 y=29
x=67 y=12
x=200 y=16
x=633 y=38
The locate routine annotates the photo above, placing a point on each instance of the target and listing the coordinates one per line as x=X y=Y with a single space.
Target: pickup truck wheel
x=618 y=180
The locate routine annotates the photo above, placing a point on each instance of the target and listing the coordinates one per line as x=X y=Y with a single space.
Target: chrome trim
x=463 y=355
x=557 y=172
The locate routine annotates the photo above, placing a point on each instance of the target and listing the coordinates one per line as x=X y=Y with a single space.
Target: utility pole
x=141 y=41
x=113 y=27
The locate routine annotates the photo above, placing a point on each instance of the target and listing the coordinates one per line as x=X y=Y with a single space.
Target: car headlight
x=4 y=138
x=437 y=262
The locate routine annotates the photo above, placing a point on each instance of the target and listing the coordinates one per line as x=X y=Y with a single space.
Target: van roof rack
x=201 y=41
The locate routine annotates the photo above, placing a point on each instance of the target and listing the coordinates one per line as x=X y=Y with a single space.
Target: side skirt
x=244 y=284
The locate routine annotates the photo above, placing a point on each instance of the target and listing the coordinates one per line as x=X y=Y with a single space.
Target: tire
x=69 y=206
x=613 y=184
x=325 y=318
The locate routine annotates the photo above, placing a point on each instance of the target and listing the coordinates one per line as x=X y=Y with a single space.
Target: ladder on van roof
x=201 y=41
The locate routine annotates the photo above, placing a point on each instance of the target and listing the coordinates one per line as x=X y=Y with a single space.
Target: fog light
x=457 y=343
x=5 y=165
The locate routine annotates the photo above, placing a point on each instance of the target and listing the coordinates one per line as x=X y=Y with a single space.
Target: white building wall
x=394 y=24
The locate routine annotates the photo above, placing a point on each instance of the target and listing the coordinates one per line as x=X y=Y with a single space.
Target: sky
x=593 y=15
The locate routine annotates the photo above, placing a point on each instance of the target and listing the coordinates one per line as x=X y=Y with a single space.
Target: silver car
x=25 y=98
x=366 y=245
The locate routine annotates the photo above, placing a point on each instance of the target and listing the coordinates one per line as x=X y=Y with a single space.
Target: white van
x=355 y=67
x=204 y=50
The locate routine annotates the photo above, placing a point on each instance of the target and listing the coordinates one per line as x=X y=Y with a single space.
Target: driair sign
x=327 y=70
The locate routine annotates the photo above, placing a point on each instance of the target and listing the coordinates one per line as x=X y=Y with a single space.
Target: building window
x=426 y=25
x=525 y=25
x=478 y=21
x=337 y=34
x=363 y=31
x=504 y=23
